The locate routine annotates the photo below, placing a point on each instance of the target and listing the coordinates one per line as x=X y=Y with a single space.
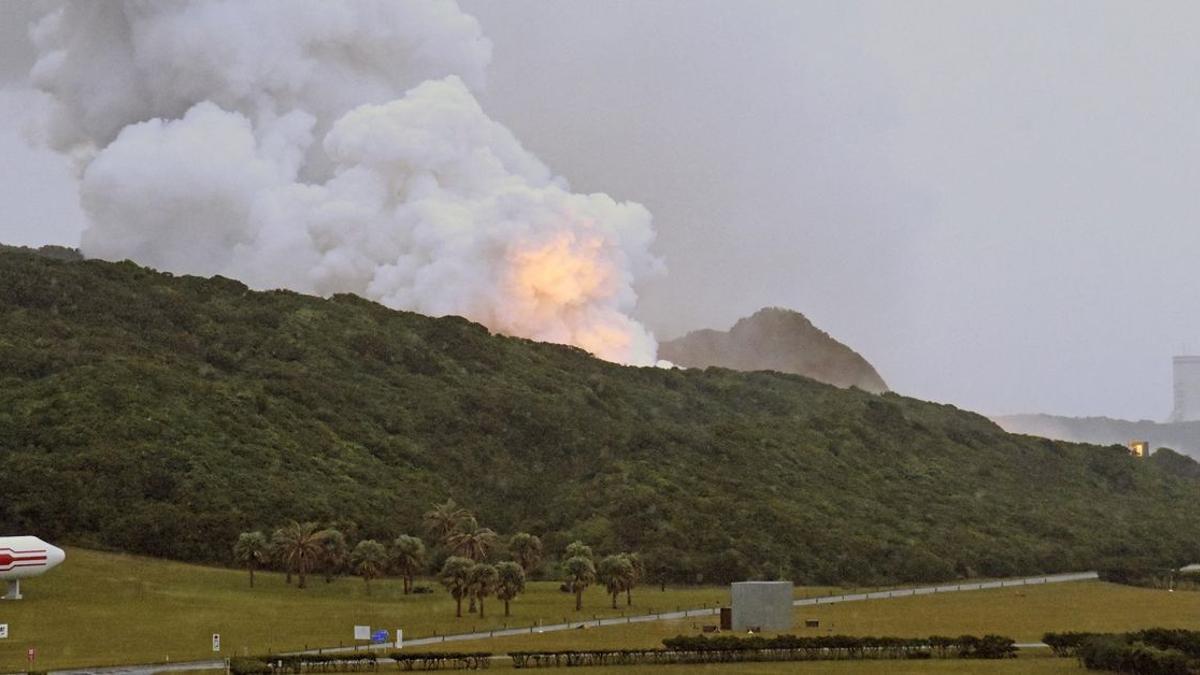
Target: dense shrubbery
x=1116 y=655
x=1133 y=573
x=1066 y=644
x=165 y=415
x=248 y=666
x=1155 y=651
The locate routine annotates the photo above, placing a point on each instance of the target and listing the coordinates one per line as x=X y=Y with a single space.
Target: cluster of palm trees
x=467 y=574
x=619 y=573
x=301 y=549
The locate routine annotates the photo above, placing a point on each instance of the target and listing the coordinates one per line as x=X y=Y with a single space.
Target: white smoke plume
x=332 y=147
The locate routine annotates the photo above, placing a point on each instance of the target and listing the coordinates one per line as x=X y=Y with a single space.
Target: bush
x=1114 y=654
x=334 y=663
x=439 y=660
x=1066 y=644
x=1154 y=651
x=245 y=666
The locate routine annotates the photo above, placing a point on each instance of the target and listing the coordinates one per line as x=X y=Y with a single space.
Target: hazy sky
x=994 y=202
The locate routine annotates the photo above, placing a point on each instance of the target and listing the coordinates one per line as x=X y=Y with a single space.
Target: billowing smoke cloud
x=333 y=147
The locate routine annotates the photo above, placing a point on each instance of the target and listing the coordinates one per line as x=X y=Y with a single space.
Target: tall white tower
x=1187 y=389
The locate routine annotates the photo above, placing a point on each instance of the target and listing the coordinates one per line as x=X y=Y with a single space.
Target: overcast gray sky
x=993 y=201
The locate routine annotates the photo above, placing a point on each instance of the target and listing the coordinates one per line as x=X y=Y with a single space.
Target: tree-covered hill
x=163 y=415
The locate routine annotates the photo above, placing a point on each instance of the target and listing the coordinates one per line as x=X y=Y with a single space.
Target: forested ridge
x=163 y=415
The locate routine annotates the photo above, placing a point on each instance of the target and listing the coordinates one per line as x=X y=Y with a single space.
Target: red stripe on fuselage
x=21 y=559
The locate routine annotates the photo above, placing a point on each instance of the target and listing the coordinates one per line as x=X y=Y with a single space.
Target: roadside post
x=399 y=638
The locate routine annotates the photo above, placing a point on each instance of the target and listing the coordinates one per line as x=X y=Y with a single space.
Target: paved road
x=613 y=621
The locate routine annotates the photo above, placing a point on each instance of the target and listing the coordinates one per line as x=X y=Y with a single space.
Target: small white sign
x=216 y=642
x=362 y=632
x=3 y=631
x=399 y=638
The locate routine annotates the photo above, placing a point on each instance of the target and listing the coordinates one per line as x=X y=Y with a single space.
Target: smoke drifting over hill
x=332 y=147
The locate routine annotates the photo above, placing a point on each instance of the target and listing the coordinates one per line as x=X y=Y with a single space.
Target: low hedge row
x=347 y=661
x=336 y=662
x=852 y=646
x=727 y=649
x=442 y=660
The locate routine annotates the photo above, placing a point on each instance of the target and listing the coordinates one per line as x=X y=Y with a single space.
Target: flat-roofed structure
x=1187 y=389
x=762 y=605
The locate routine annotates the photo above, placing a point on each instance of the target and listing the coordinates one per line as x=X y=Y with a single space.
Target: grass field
x=1023 y=613
x=102 y=608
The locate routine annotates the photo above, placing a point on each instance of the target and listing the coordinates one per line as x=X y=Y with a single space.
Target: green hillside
x=162 y=415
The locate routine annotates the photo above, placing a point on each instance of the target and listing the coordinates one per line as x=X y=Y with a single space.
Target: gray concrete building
x=1187 y=389
x=765 y=605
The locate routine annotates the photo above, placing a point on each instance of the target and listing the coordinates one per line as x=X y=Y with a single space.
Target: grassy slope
x=104 y=608
x=163 y=415
x=1024 y=614
x=100 y=608
x=108 y=608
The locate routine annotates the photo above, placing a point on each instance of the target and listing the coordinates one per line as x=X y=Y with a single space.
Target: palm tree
x=369 y=559
x=526 y=549
x=580 y=573
x=333 y=553
x=578 y=549
x=455 y=576
x=615 y=572
x=639 y=571
x=444 y=520
x=408 y=556
x=299 y=548
x=278 y=545
x=511 y=582
x=252 y=549
x=482 y=580
x=472 y=541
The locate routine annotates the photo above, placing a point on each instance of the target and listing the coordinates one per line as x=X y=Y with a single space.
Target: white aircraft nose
x=54 y=556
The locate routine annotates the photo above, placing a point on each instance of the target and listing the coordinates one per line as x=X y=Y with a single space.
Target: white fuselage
x=22 y=557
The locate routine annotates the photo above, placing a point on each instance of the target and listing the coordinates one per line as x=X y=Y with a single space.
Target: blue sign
x=379 y=637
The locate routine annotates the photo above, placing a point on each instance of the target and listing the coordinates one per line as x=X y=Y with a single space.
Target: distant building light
x=1139 y=449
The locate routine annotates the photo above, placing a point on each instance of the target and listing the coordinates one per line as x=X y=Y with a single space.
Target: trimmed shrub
x=245 y=666
x=442 y=660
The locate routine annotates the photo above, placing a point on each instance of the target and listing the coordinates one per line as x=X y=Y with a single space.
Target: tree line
x=465 y=547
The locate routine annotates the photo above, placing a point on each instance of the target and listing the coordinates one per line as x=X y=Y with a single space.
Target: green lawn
x=102 y=608
x=1022 y=613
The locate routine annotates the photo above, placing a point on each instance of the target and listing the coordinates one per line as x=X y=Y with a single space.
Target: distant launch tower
x=1187 y=389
